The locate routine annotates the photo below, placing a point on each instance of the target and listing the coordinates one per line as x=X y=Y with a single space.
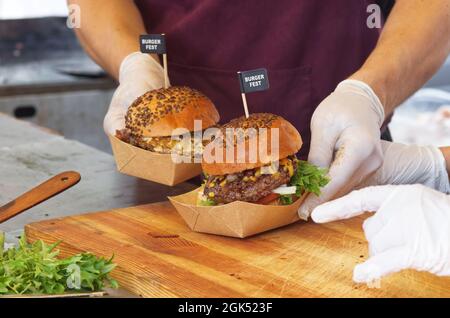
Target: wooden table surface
x=158 y=255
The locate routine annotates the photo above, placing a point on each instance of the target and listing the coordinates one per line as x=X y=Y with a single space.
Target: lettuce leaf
x=206 y=202
x=307 y=178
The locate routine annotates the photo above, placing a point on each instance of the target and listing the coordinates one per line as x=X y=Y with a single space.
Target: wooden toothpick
x=244 y=102
x=244 y=98
x=166 y=72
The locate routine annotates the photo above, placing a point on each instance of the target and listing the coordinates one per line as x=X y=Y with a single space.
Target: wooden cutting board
x=159 y=256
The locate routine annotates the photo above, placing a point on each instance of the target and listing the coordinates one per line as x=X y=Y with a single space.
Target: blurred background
x=46 y=78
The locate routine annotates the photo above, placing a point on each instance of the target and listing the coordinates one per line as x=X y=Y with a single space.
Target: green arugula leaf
x=286 y=199
x=207 y=202
x=36 y=269
x=307 y=178
x=2 y=242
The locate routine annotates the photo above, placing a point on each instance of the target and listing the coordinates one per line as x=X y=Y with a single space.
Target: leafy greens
x=307 y=178
x=35 y=269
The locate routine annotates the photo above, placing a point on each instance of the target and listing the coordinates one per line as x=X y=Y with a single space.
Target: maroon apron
x=307 y=46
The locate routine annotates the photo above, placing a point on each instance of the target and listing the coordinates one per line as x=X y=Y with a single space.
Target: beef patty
x=250 y=185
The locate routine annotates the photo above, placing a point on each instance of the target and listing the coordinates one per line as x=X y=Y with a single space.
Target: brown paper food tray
x=236 y=219
x=150 y=165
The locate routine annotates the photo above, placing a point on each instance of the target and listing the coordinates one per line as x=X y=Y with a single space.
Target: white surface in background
x=424 y=119
x=19 y=9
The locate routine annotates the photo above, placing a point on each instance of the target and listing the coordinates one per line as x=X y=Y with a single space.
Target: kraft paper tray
x=236 y=219
x=150 y=165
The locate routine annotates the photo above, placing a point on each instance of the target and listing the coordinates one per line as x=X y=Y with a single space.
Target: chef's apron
x=307 y=46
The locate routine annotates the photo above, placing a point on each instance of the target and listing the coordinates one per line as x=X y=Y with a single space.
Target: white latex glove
x=345 y=130
x=138 y=74
x=411 y=228
x=411 y=164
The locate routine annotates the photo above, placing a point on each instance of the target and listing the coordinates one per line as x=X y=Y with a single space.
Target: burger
x=275 y=176
x=152 y=118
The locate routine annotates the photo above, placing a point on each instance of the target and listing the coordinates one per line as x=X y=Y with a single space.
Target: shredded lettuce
x=206 y=202
x=307 y=178
x=203 y=200
x=286 y=199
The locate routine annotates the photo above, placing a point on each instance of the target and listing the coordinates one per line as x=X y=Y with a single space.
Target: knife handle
x=42 y=192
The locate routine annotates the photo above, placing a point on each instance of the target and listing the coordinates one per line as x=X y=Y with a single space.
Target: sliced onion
x=285 y=190
x=231 y=177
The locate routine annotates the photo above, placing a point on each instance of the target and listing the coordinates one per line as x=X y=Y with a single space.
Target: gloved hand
x=411 y=164
x=411 y=228
x=345 y=131
x=138 y=74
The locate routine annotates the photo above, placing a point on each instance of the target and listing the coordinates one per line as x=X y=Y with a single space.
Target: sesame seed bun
x=289 y=143
x=158 y=112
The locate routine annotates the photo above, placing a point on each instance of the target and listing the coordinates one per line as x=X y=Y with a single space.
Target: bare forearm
x=446 y=152
x=414 y=43
x=109 y=31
